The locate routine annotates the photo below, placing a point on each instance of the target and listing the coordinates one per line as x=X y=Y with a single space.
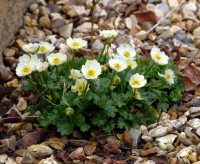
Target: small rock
x=168 y=139
x=184 y=140
x=50 y=160
x=32 y=138
x=44 y=11
x=13 y=83
x=196 y=101
x=9 y=143
x=22 y=104
x=112 y=148
x=149 y=152
x=191 y=6
x=74 y=11
x=86 y=27
x=40 y=151
x=78 y=154
x=28 y=158
x=160 y=130
x=90 y=148
x=173 y=3
x=97 y=45
x=56 y=16
x=3 y=158
x=44 y=21
x=56 y=143
x=5 y=73
x=33 y=7
x=188 y=15
x=196 y=33
x=8 y=52
x=142 y=35
x=185 y=152
x=194 y=123
x=198 y=131
x=166 y=35
x=193 y=157
x=66 y=31
x=57 y=23
x=152 y=37
x=135 y=134
x=27 y=20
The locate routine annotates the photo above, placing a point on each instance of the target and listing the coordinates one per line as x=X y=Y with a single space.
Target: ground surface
x=174 y=139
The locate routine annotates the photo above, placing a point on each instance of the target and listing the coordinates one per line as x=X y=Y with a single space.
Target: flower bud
x=69 y=111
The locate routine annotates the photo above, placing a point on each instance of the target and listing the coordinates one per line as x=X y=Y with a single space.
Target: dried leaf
x=189 y=85
x=148 y=16
x=192 y=73
x=130 y=9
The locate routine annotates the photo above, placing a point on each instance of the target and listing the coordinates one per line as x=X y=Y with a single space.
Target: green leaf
x=65 y=126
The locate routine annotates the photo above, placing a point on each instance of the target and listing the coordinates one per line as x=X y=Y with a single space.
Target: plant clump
x=116 y=89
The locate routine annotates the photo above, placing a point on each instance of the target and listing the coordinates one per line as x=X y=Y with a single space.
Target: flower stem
x=149 y=69
x=112 y=78
x=38 y=92
x=92 y=19
x=123 y=79
x=102 y=52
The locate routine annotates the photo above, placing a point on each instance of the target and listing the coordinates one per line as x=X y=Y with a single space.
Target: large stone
x=10 y=20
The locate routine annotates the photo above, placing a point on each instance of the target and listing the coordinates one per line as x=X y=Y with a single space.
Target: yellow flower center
x=158 y=57
x=56 y=60
x=127 y=54
x=26 y=69
x=91 y=72
x=80 y=87
x=76 y=44
x=43 y=49
x=168 y=77
x=117 y=66
x=135 y=82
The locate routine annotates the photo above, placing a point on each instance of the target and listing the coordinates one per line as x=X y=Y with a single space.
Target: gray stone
x=166 y=35
x=86 y=27
x=57 y=23
x=40 y=150
x=44 y=21
x=196 y=33
x=136 y=135
x=160 y=130
x=10 y=20
x=66 y=31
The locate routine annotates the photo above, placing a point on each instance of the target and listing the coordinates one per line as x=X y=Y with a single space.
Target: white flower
x=42 y=66
x=56 y=58
x=169 y=76
x=108 y=34
x=24 y=69
x=137 y=95
x=91 y=69
x=80 y=86
x=126 y=51
x=117 y=64
x=45 y=47
x=76 y=43
x=159 y=56
x=32 y=60
x=131 y=63
x=137 y=81
x=30 y=47
x=75 y=74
